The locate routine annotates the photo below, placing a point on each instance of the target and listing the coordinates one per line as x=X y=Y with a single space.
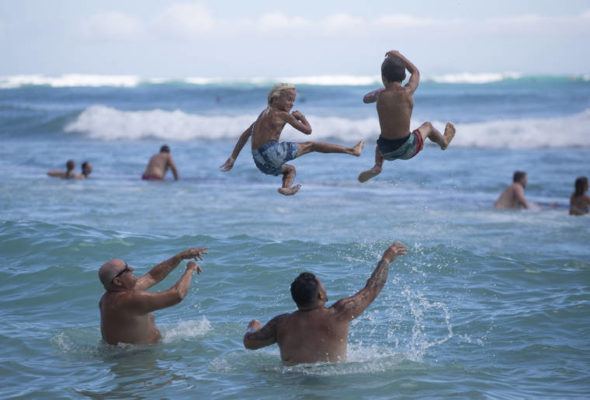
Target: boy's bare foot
x=368 y=174
x=290 y=191
x=449 y=134
x=358 y=148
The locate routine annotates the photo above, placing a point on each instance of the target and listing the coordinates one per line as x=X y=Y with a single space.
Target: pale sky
x=255 y=38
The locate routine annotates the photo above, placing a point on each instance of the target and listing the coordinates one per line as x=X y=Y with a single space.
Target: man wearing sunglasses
x=126 y=307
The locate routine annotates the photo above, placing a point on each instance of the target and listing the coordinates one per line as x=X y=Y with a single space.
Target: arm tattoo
x=379 y=276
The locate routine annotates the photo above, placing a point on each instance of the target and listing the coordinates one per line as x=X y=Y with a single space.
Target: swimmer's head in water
x=581 y=186
x=278 y=89
x=70 y=165
x=307 y=290
x=165 y=149
x=86 y=168
x=519 y=177
x=112 y=273
x=393 y=69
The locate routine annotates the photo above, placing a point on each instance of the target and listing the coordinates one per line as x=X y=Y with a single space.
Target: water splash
x=186 y=330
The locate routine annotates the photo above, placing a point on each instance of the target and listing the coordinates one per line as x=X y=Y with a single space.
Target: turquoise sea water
x=486 y=304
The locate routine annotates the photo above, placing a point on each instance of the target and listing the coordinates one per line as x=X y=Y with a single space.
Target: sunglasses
x=126 y=269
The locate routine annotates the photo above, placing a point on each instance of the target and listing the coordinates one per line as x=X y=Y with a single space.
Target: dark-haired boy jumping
x=394 y=107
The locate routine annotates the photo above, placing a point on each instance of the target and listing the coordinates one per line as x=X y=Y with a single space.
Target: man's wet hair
x=70 y=164
x=85 y=165
x=165 y=149
x=304 y=289
x=581 y=186
x=393 y=69
x=518 y=176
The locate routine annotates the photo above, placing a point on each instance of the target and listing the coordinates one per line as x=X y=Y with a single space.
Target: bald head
x=109 y=270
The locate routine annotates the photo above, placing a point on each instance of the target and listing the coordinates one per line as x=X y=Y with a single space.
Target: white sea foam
x=106 y=123
x=569 y=131
x=475 y=78
x=186 y=330
x=68 y=80
x=89 y=80
x=84 y=80
x=334 y=80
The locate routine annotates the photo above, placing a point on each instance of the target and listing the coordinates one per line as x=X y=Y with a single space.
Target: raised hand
x=194 y=253
x=393 y=53
x=394 y=250
x=194 y=267
x=254 y=326
x=297 y=114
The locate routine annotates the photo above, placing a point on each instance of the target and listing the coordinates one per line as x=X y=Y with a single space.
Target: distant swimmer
x=315 y=333
x=69 y=173
x=580 y=201
x=270 y=155
x=513 y=196
x=394 y=107
x=159 y=165
x=86 y=170
x=126 y=306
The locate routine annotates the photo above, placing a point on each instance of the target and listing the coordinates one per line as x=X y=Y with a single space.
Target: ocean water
x=486 y=304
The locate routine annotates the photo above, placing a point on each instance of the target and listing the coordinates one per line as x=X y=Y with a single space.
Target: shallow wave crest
x=106 y=123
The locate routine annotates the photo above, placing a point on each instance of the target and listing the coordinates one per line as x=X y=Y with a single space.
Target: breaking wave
x=130 y=81
x=106 y=123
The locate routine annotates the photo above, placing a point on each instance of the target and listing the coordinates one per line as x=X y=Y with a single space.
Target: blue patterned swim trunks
x=270 y=157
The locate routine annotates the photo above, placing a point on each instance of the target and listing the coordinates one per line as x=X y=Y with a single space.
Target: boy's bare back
x=394 y=107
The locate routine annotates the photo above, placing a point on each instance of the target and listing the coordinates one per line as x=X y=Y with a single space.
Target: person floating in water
x=126 y=306
x=86 y=170
x=69 y=173
x=580 y=201
x=316 y=333
x=159 y=165
x=394 y=107
x=270 y=155
x=513 y=196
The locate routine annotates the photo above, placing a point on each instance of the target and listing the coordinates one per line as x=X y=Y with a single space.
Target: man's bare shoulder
x=282 y=318
x=342 y=305
x=120 y=300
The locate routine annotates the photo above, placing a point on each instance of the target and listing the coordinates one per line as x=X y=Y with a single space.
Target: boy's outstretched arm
x=298 y=121
x=229 y=163
x=414 y=81
x=371 y=97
